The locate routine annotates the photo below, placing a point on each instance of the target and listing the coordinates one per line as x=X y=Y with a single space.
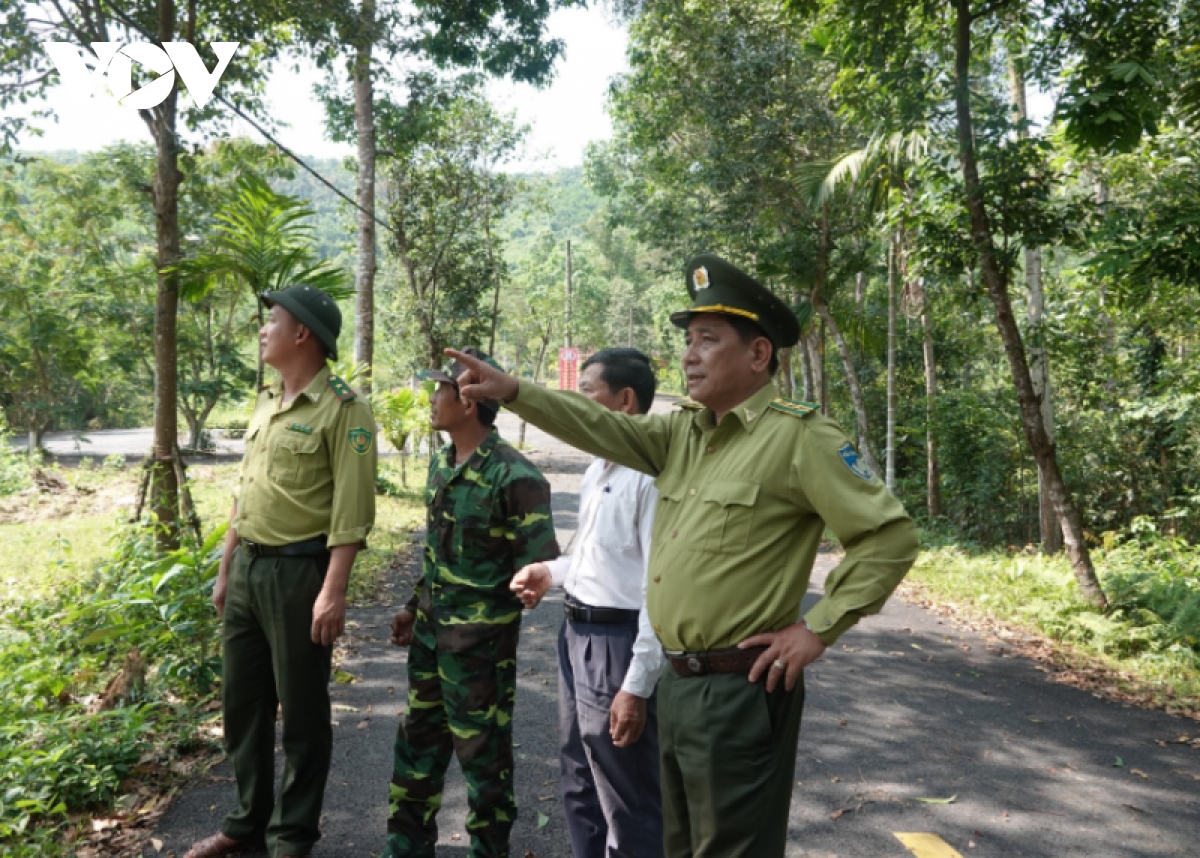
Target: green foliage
x=261 y=239
x=70 y=264
x=1149 y=240
x=1153 y=581
x=446 y=195
x=402 y=414
x=58 y=651
x=14 y=465
x=1152 y=628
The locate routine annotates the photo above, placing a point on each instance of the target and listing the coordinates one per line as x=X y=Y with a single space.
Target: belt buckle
x=252 y=548
x=695 y=665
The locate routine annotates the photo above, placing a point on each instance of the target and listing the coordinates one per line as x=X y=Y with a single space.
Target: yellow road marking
x=926 y=845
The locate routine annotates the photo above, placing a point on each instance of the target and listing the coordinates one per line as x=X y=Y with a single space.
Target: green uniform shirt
x=487 y=518
x=741 y=510
x=309 y=467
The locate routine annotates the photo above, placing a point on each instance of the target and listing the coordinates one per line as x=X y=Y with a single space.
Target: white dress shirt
x=609 y=556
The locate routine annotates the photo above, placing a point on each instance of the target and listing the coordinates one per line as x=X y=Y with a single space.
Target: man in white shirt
x=609 y=659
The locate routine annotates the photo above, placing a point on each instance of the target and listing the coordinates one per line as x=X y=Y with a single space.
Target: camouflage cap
x=450 y=375
x=717 y=286
x=314 y=309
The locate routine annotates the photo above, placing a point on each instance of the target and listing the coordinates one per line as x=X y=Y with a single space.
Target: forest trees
x=391 y=46
x=444 y=193
x=731 y=111
x=911 y=65
x=26 y=74
x=62 y=256
x=719 y=123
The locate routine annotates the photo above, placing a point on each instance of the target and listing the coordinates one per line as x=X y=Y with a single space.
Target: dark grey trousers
x=611 y=795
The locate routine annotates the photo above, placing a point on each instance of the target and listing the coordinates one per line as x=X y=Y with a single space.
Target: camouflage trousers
x=462 y=682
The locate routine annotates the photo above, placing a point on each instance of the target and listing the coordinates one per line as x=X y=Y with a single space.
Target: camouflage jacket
x=485 y=520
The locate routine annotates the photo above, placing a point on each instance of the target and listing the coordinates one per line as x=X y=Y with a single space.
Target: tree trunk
x=1050 y=530
x=195 y=430
x=933 y=477
x=784 y=379
x=364 y=123
x=537 y=373
x=818 y=302
x=1039 y=360
x=164 y=497
x=860 y=406
x=994 y=280
x=806 y=370
x=816 y=346
x=487 y=231
x=889 y=454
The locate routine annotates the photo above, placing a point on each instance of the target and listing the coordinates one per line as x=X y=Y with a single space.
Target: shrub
x=56 y=652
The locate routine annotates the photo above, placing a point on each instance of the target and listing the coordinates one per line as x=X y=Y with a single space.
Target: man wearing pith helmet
x=747 y=483
x=305 y=504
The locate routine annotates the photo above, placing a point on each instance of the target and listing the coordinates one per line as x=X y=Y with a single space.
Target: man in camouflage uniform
x=488 y=516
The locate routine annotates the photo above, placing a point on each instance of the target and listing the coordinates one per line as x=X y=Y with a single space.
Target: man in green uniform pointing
x=303 y=511
x=747 y=483
x=488 y=516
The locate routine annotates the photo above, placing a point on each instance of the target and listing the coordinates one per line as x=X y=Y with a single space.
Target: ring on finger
x=779 y=664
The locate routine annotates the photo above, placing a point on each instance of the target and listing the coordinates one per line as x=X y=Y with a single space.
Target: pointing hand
x=482 y=381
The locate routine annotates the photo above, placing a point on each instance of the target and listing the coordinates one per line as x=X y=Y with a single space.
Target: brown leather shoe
x=221 y=844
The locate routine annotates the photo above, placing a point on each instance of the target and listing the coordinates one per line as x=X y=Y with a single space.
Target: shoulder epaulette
x=689 y=405
x=340 y=389
x=796 y=409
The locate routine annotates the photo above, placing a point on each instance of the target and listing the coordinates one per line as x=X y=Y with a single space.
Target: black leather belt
x=307 y=548
x=581 y=613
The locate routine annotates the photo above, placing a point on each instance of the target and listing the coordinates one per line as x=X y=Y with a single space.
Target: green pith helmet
x=450 y=375
x=312 y=308
x=717 y=286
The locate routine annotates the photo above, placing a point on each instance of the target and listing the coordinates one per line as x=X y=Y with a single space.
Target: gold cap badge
x=700 y=278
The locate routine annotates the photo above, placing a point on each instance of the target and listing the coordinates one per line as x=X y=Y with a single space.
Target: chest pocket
x=478 y=528
x=615 y=523
x=298 y=461
x=728 y=515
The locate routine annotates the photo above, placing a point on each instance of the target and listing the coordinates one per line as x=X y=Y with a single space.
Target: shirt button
x=657 y=578
x=709 y=450
x=674 y=533
x=658 y=629
x=692 y=492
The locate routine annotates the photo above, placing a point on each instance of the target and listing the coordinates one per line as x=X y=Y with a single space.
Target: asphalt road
x=912 y=726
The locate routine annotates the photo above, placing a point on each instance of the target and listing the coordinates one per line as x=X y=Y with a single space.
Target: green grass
x=41 y=556
x=72 y=532
x=84 y=591
x=1151 y=632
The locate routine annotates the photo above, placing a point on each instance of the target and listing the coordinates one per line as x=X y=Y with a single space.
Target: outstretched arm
x=637 y=441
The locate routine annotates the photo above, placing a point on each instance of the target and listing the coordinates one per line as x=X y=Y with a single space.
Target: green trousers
x=728 y=752
x=271 y=661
